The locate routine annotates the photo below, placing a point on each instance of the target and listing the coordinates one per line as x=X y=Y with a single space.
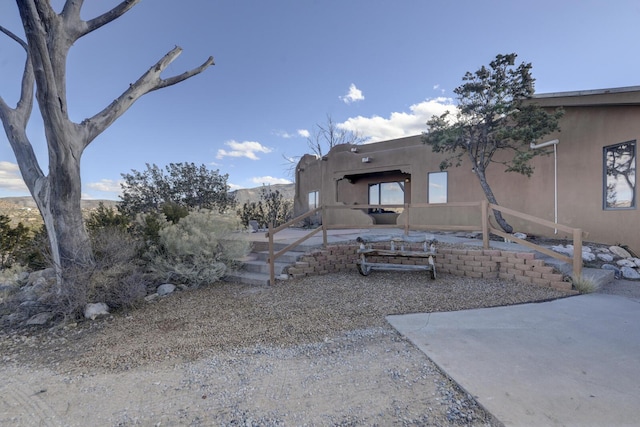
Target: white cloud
x=399 y=124
x=353 y=95
x=106 y=185
x=11 y=179
x=260 y=180
x=246 y=149
x=304 y=133
x=233 y=187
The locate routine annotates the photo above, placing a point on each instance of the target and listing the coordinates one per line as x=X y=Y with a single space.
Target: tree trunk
x=492 y=199
x=60 y=207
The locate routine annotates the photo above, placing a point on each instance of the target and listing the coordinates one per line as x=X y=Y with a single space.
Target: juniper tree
x=494 y=115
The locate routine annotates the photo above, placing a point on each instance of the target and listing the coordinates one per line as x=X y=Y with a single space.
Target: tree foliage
x=493 y=116
x=272 y=208
x=179 y=185
x=13 y=241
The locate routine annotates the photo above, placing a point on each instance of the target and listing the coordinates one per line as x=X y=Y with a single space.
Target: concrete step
x=287 y=258
x=260 y=266
x=254 y=269
x=247 y=278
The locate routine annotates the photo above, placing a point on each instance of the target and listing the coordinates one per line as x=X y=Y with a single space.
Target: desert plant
x=116 y=277
x=584 y=285
x=199 y=249
x=272 y=208
x=104 y=216
x=13 y=240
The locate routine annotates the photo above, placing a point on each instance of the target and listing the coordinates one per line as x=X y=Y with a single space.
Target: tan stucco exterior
x=592 y=120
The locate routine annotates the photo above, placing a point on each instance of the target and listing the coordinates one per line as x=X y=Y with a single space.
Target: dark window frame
x=606 y=193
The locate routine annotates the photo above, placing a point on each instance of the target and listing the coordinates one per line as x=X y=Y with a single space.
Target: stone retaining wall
x=478 y=263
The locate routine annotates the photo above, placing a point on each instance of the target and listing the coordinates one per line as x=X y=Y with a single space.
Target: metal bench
x=397 y=244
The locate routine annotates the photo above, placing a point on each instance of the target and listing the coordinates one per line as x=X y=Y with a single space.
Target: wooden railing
x=485 y=226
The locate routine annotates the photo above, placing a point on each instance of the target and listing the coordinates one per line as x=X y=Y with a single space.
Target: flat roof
x=588 y=92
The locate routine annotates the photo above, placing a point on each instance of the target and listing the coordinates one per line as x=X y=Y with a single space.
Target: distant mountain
x=24 y=208
x=245 y=195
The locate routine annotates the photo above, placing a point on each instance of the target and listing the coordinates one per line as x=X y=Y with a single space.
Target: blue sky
x=380 y=68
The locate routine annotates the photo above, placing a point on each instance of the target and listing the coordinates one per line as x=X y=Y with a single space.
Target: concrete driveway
x=568 y=362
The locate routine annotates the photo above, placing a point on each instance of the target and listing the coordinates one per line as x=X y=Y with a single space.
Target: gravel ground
x=310 y=351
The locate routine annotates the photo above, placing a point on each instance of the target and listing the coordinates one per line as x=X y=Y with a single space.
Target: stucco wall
x=585 y=131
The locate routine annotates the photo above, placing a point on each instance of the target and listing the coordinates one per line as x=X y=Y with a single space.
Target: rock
x=622 y=253
x=91 y=311
x=636 y=261
x=166 y=289
x=630 y=273
x=588 y=256
x=40 y=318
x=616 y=271
x=567 y=250
x=520 y=236
x=605 y=257
x=626 y=263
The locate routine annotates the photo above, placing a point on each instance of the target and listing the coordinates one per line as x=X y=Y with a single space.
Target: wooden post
x=271 y=261
x=406 y=219
x=324 y=228
x=577 y=253
x=484 y=207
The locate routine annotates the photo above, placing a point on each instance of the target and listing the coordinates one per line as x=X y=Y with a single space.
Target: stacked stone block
x=477 y=263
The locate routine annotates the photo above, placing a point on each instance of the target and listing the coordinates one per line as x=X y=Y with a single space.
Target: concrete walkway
x=569 y=362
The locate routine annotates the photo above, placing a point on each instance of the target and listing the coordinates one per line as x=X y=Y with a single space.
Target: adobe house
x=587 y=181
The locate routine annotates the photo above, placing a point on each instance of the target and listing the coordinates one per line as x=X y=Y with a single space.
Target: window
x=620 y=176
x=386 y=193
x=437 y=191
x=313 y=200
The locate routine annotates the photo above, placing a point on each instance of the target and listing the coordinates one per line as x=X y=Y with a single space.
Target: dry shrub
x=116 y=277
x=199 y=249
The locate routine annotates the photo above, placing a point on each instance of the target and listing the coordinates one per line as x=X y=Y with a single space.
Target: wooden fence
x=486 y=210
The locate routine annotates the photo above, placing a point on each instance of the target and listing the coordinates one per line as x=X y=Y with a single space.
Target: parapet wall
x=521 y=267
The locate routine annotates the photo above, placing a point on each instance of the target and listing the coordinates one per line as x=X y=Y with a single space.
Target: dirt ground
x=314 y=351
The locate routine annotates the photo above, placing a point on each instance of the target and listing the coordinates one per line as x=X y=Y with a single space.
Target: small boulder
x=588 y=256
x=630 y=273
x=622 y=253
x=605 y=257
x=40 y=318
x=92 y=311
x=626 y=263
x=166 y=289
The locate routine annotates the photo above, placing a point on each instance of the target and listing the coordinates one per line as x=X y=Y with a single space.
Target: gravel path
x=311 y=351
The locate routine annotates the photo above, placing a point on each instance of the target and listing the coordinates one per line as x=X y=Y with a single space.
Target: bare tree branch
x=149 y=82
x=14 y=37
x=106 y=17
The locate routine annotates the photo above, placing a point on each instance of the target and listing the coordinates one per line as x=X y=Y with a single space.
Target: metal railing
x=485 y=226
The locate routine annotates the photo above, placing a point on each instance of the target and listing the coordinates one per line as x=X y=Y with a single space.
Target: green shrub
x=13 y=241
x=199 y=249
x=272 y=208
x=104 y=216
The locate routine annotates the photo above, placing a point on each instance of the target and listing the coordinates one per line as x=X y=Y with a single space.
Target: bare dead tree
x=48 y=38
x=325 y=136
